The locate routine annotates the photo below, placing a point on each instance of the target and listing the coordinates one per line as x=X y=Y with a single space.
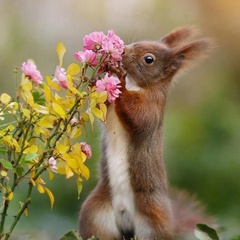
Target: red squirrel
x=131 y=199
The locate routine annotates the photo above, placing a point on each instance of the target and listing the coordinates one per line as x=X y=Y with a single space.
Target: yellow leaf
x=24 y=79
x=69 y=128
x=3 y=173
x=13 y=106
x=93 y=103
x=37 y=130
x=50 y=195
x=77 y=149
x=85 y=117
x=10 y=127
x=73 y=90
x=70 y=161
x=5 y=98
x=91 y=118
x=27 y=87
x=10 y=141
x=61 y=49
x=94 y=94
x=57 y=97
x=40 y=109
x=26 y=113
x=62 y=149
x=50 y=174
x=102 y=97
x=47 y=92
x=46 y=122
x=61 y=168
x=83 y=157
x=26 y=212
x=10 y=196
x=69 y=172
x=59 y=110
x=31 y=149
x=85 y=172
x=53 y=84
x=76 y=132
x=73 y=69
x=103 y=108
x=98 y=113
x=40 y=188
x=68 y=102
x=79 y=185
x=40 y=180
x=28 y=97
x=33 y=182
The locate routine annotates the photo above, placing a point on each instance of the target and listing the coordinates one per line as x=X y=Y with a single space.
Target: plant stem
x=21 y=211
x=3 y=218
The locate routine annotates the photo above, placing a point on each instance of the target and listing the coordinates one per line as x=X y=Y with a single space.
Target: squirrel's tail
x=187 y=212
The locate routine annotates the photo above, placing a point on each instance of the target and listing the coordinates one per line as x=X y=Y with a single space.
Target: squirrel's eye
x=149 y=59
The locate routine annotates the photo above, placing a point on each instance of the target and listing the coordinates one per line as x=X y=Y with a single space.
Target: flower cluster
x=46 y=117
x=105 y=50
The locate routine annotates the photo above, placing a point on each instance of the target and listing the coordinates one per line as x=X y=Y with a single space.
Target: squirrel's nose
x=125 y=50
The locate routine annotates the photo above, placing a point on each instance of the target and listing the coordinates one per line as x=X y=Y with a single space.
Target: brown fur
x=140 y=114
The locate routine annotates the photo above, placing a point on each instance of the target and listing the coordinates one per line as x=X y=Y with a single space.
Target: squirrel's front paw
x=119 y=71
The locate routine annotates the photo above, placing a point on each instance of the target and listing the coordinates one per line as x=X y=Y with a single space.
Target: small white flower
x=52 y=162
x=1 y=114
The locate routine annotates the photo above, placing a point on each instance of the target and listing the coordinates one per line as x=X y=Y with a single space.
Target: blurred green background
x=202 y=127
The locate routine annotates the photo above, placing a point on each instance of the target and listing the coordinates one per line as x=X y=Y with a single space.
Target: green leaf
x=3 y=150
x=30 y=156
x=201 y=235
x=19 y=171
x=236 y=238
x=6 y=164
x=211 y=233
x=38 y=98
x=72 y=235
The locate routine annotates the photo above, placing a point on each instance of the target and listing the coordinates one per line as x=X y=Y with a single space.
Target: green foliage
x=72 y=235
x=204 y=232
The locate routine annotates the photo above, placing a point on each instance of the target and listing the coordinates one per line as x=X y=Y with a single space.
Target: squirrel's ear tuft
x=177 y=36
x=189 y=54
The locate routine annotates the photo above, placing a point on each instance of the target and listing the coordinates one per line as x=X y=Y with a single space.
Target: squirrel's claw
x=119 y=71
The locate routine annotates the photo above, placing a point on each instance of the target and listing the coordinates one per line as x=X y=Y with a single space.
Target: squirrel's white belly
x=122 y=193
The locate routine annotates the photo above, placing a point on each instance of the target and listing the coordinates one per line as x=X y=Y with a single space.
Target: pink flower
x=111 y=85
x=88 y=56
x=30 y=70
x=60 y=76
x=113 y=46
x=52 y=162
x=86 y=149
x=115 y=40
x=73 y=120
x=93 y=41
x=113 y=50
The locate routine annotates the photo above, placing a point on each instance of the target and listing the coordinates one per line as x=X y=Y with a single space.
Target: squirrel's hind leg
x=97 y=218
